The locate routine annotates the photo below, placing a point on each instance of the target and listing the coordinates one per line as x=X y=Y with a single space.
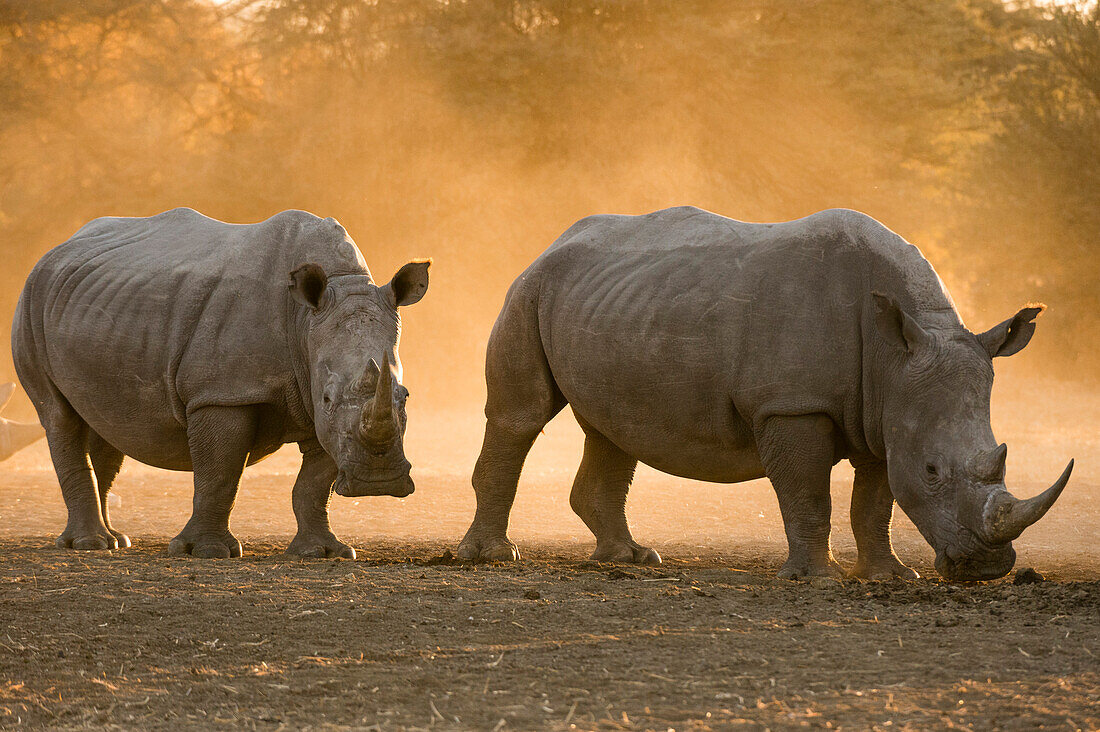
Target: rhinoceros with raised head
x=726 y=351
x=192 y=344
x=14 y=436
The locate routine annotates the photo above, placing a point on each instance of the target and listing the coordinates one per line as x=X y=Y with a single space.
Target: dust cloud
x=475 y=133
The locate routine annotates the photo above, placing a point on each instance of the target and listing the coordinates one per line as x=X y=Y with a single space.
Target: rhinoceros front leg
x=220 y=439
x=872 y=512
x=599 y=498
x=106 y=462
x=67 y=435
x=797 y=454
x=312 y=491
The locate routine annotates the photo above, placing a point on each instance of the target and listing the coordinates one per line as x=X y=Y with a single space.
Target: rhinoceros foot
x=884 y=569
x=626 y=552
x=799 y=568
x=121 y=538
x=88 y=541
x=210 y=545
x=488 y=550
x=319 y=546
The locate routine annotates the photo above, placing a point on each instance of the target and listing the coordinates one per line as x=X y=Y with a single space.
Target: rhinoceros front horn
x=378 y=425
x=1005 y=516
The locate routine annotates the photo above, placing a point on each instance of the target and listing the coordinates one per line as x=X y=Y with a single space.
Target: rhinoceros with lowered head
x=191 y=344
x=726 y=351
x=14 y=436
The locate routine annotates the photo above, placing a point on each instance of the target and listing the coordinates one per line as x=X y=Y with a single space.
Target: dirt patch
x=138 y=639
x=406 y=637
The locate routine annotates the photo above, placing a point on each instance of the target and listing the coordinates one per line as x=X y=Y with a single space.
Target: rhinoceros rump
x=192 y=344
x=724 y=351
x=14 y=436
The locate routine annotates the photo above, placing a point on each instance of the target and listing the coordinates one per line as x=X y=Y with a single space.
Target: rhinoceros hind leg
x=797 y=453
x=312 y=491
x=67 y=434
x=522 y=397
x=599 y=498
x=220 y=439
x=106 y=462
x=872 y=513
x=495 y=477
x=496 y=474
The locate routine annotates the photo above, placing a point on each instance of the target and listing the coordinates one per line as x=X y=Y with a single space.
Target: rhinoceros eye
x=931 y=470
x=328 y=396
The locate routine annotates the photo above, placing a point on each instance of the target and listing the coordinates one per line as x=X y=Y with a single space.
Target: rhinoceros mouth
x=976 y=567
x=353 y=483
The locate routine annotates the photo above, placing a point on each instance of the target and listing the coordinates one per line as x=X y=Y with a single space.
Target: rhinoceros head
x=946 y=470
x=355 y=373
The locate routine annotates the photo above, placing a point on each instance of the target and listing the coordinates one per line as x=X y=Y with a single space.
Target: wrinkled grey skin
x=725 y=351
x=14 y=436
x=192 y=344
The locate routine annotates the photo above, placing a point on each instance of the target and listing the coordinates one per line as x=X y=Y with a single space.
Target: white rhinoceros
x=727 y=351
x=192 y=344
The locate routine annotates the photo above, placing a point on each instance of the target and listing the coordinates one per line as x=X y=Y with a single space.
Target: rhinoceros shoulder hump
x=321 y=240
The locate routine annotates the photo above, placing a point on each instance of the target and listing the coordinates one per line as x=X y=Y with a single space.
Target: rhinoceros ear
x=409 y=284
x=6 y=390
x=307 y=284
x=1009 y=337
x=895 y=325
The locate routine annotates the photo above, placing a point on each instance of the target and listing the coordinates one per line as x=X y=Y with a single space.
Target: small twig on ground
x=569 y=716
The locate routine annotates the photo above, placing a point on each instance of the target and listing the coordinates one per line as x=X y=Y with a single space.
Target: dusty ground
x=399 y=640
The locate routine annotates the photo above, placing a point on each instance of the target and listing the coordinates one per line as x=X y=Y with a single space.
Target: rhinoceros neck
x=897 y=269
x=297 y=339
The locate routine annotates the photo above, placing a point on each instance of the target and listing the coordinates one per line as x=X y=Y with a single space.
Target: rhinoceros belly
x=681 y=429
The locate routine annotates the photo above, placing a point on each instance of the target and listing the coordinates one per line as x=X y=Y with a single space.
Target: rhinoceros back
x=137 y=321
